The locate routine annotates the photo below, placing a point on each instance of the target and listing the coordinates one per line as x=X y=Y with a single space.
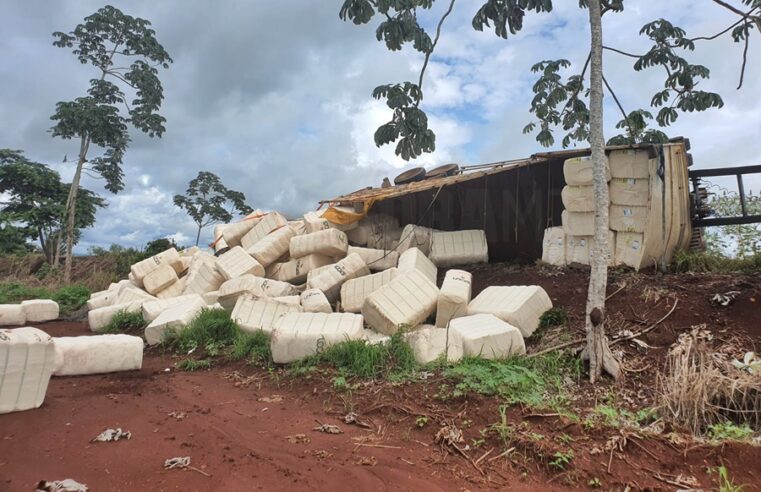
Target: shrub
x=728 y=431
x=553 y=317
x=125 y=322
x=704 y=262
x=256 y=346
x=15 y=292
x=210 y=330
x=71 y=297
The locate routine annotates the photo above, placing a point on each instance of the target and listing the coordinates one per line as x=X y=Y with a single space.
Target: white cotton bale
x=630 y=191
x=629 y=250
x=518 y=305
x=577 y=249
x=40 y=310
x=99 y=318
x=553 y=246
x=578 y=198
x=376 y=260
x=159 y=279
x=429 y=343
x=296 y=270
x=173 y=290
x=486 y=336
x=27 y=358
x=630 y=163
x=625 y=218
x=97 y=354
x=268 y=223
x=253 y=314
x=578 y=223
x=107 y=298
x=237 y=262
x=185 y=261
x=455 y=248
x=454 y=297
x=219 y=244
x=408 y=300
x=415 y=236
x=299 y=335
x=299 y=226
x=272 y=246
x=314 y=301
x=372 y=225
x=12 y=315
x=258 y=286
x=414 y=259
x=318 y=270
x=578 y=171
x=355 y=291
x=233 y=233
x=211 y=297
x=330 y=280
x=131 y=294
x=294 y=300
x=348 y=212
x=152 y=309
x=142 y=268
x=329 y=242
x=386 y=239
x=191 y=251
x=313 y=222
x=205 y=278
x=174 y=318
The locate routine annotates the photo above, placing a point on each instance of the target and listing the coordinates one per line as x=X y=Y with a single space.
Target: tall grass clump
x=706 y=262
x=125 y=322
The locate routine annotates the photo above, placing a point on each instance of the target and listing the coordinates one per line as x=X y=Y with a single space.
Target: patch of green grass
x=191 y=365
x=553 y=317
x=729 y=431
x=535 y=382
x=698 y=261
x=255 y=346
x=69 y=298
x=421 y=421
x=612 y=416
x=503 y=429
x=726 y=484
x=562 y=459
x=357 y=358
x=124 y=322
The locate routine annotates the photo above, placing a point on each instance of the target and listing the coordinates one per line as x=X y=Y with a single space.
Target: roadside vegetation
x=69 y=298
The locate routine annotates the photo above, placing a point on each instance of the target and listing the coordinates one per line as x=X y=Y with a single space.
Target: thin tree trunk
x=71 y=203
x=600 y=357
x=198 y=236
x=57 y=249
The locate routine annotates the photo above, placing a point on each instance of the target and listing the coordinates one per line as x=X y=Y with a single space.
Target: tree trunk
x=600 y=357
x=198 y=236
x=71 y=208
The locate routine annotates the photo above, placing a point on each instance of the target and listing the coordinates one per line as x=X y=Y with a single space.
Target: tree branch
x=729 y=7
x=620 y=52
x=745 y=62
x=618 y=103
x=433 y=46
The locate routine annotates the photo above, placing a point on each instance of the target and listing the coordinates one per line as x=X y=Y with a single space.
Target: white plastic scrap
x=109 y=435
x=177 y=462
x=726 y=298
x=749 y=363
x=67 y=485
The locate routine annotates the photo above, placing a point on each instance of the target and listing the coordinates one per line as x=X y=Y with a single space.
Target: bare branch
x=433 y=46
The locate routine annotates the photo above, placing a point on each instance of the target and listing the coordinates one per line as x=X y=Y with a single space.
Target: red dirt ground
x=235 y=430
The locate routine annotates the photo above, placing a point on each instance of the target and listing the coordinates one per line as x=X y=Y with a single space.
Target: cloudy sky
x=274 y=97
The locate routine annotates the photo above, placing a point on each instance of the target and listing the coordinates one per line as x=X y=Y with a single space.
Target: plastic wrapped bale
x=630 y=249
x=372 y=225
x=299 y=226
x=175 y=318
x=159 y=279
x=630 y=191
x=98 y=354
x=317 y=271
x=142 y=268
x=331 y=279
x=454 y=297
x=272 y=246
x=408 y=300
x=299 y=335
x=219 y=244
x=386 y=239
x=553 y=246
x=102 y=299
x=258 y=286
x=578 y=198
x=486 y=336
x=205 y=278
x=233 y=233
x=518 y=305
x=152 y=309
x=578 y=223
x=313 y=222
x=27 y=358
x=296 y=270
x=349 y=212
x=578 y=249
x=376 y=260
x=99 y=318
x=294 y=299
x=626 y=218
x=578 y=171
x=253 y=314
x=415 y=236
x=454 y=248
x=355 y=291
x=429 y=343
x=269 y=223
x=131 y=294
x=314 y=301
x=211 y=298
x=12 y=315
x=191 y=251
x=329 y=242
x=40 y=310
x=237 y=262
x=414 y=259
x=630 y=163
x=174 y=290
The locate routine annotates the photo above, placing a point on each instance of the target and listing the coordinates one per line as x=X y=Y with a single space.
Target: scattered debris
x=725 y=299
x=353 y=418
x=298 y=439
x=182 y=462
x=328 y=428
x=67 y=485
x=177 y=415
x=749 y=363
x=271 y=399
x=109 y=435
x=366 y=461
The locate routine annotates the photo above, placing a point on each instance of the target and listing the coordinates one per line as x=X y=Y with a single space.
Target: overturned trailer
x=522 y=207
